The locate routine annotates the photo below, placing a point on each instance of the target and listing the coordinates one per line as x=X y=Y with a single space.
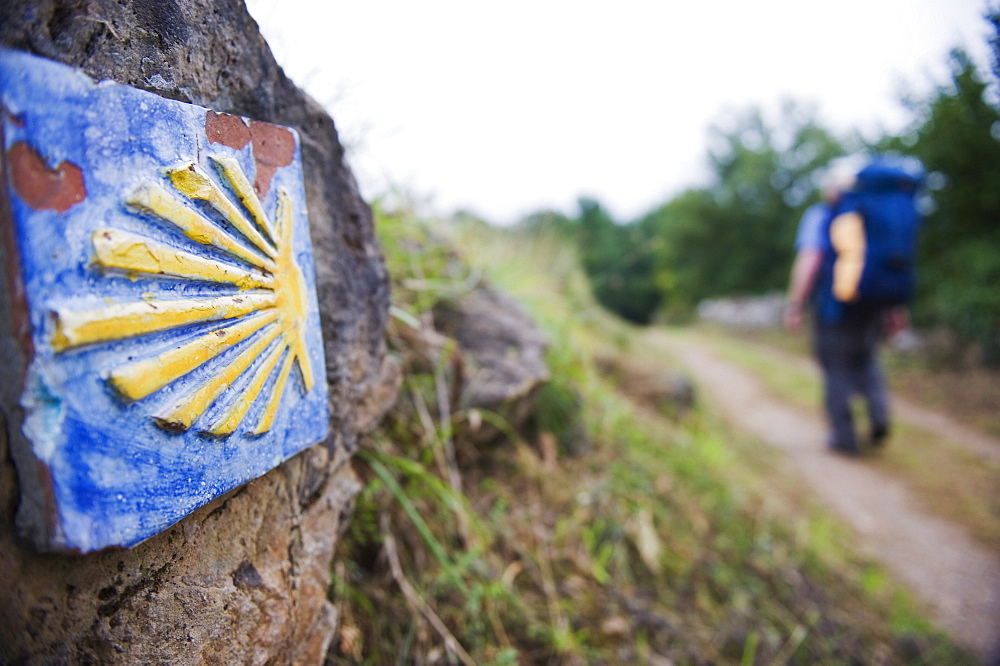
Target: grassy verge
x=968 y=392
x=640 y=538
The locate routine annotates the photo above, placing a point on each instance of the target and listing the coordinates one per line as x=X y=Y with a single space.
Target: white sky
x=504 y=108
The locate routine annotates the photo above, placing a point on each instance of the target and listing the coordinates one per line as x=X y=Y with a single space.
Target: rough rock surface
x=502 y=348
x=244 y=579
x=672 y=392
x=489 y=352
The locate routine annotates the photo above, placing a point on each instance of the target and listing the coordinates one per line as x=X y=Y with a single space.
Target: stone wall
x=746 y=312
x=243 y=579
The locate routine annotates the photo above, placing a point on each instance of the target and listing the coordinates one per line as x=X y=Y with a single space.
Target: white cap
x=839 y=175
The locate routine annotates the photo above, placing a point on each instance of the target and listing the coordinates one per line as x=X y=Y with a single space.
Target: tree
x=618 y=262
x=955 y=135
x=736 y=236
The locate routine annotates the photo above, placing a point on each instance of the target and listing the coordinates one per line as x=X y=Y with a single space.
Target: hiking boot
x=880 y=433
x=842 y=449
x=848 y=451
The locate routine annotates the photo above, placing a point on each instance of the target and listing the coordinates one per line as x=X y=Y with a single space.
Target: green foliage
x=957 y=137
x=548 y=222
x=692 y=258
x=736 y=236
x=618 y=260
x=558 y=412
x=638 y=551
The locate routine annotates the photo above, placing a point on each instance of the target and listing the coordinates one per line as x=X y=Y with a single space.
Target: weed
x=633 y=540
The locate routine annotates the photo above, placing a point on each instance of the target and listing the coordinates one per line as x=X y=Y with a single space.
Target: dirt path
x=957 y=577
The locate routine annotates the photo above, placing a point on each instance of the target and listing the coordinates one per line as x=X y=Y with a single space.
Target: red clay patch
x=273 y=146
x=39 y=186
x=226 y=129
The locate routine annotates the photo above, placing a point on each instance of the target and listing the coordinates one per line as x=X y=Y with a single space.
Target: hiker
x=857 y=283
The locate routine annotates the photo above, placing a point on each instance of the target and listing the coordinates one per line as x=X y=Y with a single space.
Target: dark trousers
x=848 y=354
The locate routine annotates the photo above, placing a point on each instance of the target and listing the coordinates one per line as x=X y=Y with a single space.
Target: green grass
x=648 y=536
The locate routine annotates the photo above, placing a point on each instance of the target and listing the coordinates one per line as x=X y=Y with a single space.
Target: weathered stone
x=243 y=579
x=670 y=392
x=502 y=354
x=750 y=312
x=485 y=352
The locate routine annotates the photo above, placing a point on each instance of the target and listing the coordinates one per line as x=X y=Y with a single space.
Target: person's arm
x=804 y=271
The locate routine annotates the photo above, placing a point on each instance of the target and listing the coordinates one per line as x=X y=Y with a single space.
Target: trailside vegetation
x=957 y=138
x=614 y=530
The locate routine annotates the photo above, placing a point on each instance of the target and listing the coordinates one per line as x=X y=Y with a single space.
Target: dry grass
x=650 y=542
x=970 y=395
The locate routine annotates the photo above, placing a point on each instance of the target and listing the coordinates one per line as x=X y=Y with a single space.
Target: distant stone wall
x=745 y=312
x=244 y=579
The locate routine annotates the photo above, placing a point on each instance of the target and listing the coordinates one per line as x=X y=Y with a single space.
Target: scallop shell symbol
x=268 y=310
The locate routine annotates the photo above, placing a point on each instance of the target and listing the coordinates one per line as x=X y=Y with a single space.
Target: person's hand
x=896 y=319
x=793 y=317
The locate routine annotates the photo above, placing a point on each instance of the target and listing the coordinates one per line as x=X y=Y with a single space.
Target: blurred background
x=678 y=145
x=625 y=174
x=504 y=109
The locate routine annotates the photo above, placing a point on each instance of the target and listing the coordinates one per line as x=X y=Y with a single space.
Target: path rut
x=958 y=578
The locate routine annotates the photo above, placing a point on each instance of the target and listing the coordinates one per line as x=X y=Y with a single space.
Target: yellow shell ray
x=231 y=172
x=290 y=290
x=267 y=319
x=80 y=327
x=134 y=253
x=195 y=184
x=231 y=419
x=156 y=201
x=183 y=413
x=267 y=418
x=141 y=378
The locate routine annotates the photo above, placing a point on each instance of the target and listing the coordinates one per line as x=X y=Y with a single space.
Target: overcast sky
x=503 y=108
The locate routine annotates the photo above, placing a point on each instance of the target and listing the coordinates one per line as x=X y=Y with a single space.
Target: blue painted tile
x=173 y=349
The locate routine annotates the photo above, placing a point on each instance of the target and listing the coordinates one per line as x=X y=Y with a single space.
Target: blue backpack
x=885 y=198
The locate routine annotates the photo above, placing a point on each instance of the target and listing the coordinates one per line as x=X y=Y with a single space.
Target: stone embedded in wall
x=189 y=594
x=174 y=329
